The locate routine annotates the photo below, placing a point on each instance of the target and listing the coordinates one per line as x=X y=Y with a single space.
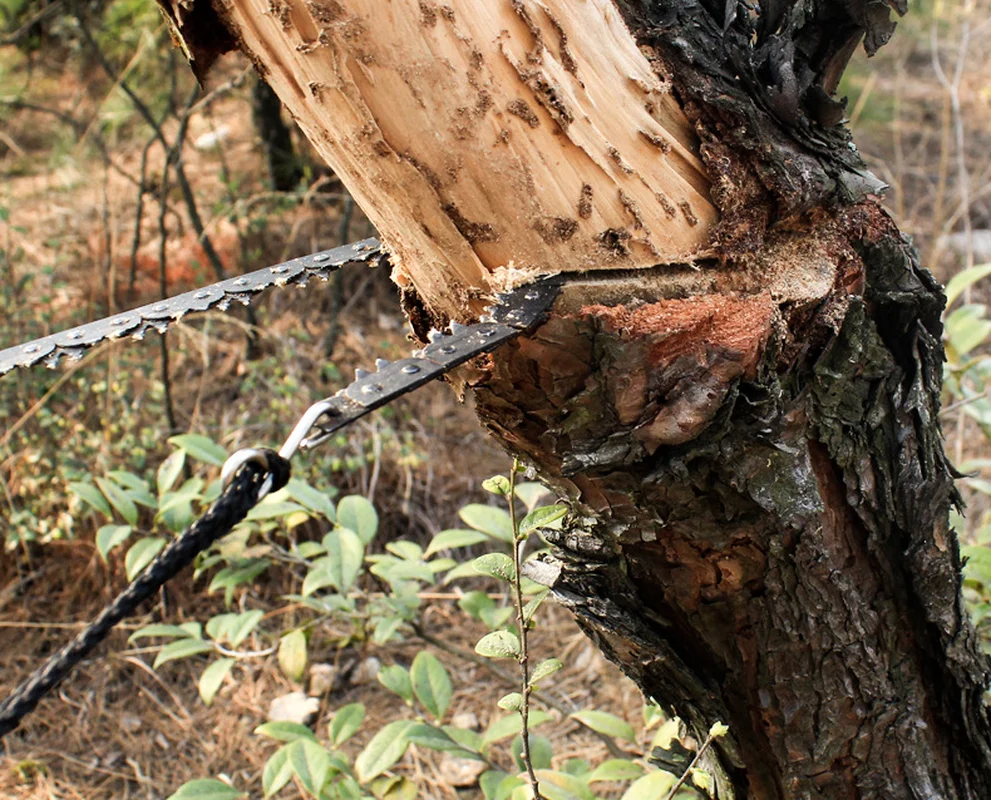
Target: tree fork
x=739 y=387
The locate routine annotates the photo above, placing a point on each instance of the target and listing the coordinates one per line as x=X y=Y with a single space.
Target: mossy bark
x=748 y=434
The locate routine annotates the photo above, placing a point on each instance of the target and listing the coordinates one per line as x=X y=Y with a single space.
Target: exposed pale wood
x=488 y=141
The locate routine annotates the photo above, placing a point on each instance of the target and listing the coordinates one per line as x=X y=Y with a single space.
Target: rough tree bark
x=738 y=390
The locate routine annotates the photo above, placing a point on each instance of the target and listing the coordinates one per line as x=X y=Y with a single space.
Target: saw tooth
x=381 y=364
x=486 y=318
x=361 y=374
x=433 y=335
x=457 y=327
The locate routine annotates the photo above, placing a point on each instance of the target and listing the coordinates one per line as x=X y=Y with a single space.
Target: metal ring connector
x=238 y=460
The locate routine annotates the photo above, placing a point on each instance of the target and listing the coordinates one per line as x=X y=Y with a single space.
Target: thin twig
x=175 y=150
x=27 y=415
x=684 y=776
x=441 y=644
x=336 y=287
x=163 y=234
x=519 y=542
x=15 y=36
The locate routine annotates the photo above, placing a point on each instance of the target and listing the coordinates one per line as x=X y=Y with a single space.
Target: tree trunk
x=284 y=169
x=738 y=390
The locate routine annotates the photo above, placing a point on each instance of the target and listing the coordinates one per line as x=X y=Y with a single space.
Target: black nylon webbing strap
x=230 y=508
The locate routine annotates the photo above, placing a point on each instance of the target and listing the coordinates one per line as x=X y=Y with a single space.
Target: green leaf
x=616 y=769
x=141 y=554
x=510 y=787
x=181 y=648
x=242 y=625
x=385 y=629
x=357 y=514
x=651 y=786
x=292 y=655
x=212 y=678
x=396 y=679
x=474 y=603
x=543 y=517
x=345 y=554
x=491 y=780
x=464 y=570
x=393 y=787
x=978 y=563
x=652 y=715
x=229 y=578
x=454 y=538
x=544 y=668
x=541 y=751
x=206 y=789
x=511 y=702
x=531 y=608
x=109 y=536
x=285 y=731
x=578 y=767
x=119 y=499
x=496 y=618
x=308 y=550
x=92 y=496
x=530 y=493
x=217 y=625
x=497 y=484
x=431 y=684
x=277 y=772
x=383 y=751
x=201 y=448
x=347 y=788
x=511 y=724
x=160 y=630
x=556 y=785
x=393 y=569
x=489 y=520
x=499 y=644
x=175 y=509
x=311 y=498
x=608 y=724
x=135 y=486
x=498 y=565
x=274 y=509
x=468 y=739
x=310 y=763
x=316 y=579
x=169 y=471
x=408 y=551
x=434 y=738
x=346 y=722
x=966 y=328
x=967 y=277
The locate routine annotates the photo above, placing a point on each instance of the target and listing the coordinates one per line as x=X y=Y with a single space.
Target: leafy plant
x=339 y=573
x=966 y=380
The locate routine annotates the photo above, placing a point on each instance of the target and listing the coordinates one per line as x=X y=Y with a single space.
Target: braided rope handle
x=247 y=487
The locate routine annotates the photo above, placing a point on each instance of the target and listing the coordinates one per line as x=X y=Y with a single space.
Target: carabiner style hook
x=299 y=437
